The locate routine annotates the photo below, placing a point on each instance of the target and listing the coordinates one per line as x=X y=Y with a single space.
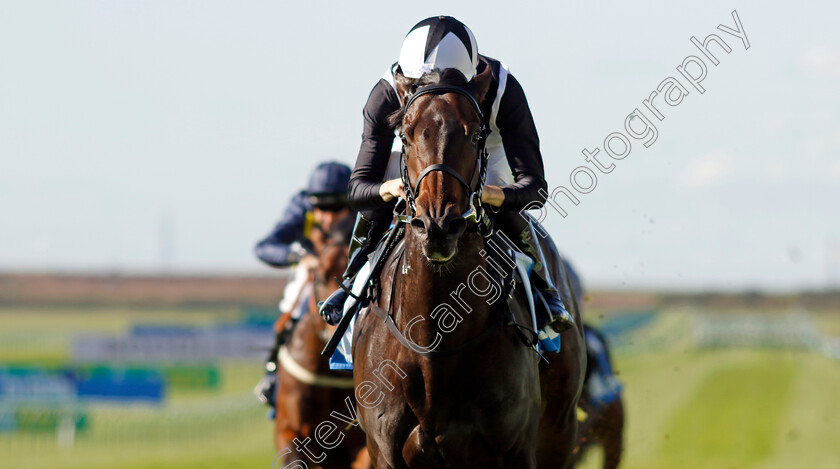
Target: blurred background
x=145 y=147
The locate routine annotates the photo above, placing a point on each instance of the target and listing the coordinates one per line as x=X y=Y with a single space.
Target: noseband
x=475 y=210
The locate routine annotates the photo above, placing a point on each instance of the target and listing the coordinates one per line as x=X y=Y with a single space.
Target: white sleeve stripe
x=503 y=73
x=389 y=77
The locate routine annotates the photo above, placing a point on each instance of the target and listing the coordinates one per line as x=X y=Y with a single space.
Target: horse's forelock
x=448 y=76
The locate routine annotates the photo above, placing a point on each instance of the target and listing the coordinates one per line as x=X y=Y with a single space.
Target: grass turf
x=746 y=409
x=730 y=409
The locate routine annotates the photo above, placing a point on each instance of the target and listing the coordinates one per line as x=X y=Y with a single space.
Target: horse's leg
x=380 y=462
x=612 y=434
x=377 y=460
x=286 y=450
x=561 y=382
x=279 y=439
x=558 y=443
x=283 y=432
x=288 y=418
x=558 y=435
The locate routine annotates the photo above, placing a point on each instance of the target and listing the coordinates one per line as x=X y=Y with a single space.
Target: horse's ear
x=480 y=85
x=404 y=85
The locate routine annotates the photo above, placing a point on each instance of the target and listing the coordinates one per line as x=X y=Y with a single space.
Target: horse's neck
x=428 y=289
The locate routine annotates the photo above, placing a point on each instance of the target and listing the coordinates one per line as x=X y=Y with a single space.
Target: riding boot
x=560 y=319
x=366 y=235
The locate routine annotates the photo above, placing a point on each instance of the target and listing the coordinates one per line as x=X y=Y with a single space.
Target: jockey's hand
x=309 y=262
x=493 y=195
x=391 y=189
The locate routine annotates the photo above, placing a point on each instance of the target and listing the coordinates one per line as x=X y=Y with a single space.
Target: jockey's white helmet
x=439 y=42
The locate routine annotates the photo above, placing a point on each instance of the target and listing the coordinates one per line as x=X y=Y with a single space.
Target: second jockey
x=322 y=205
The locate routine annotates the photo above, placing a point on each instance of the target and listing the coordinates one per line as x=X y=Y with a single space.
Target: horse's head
x=331 y=246
x=443 y=137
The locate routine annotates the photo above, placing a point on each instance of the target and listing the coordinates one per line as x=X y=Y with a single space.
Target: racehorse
x=440 y=381
x=308 y=391
x=603 y=421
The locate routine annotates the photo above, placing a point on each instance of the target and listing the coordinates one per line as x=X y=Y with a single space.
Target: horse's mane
x=449 y=76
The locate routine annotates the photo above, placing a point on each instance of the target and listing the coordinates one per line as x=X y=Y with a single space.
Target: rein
x=475 y=211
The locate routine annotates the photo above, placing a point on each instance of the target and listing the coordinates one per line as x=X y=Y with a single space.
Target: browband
x=442 y=89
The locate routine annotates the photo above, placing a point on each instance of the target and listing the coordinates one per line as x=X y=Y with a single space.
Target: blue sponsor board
x=123 y=385
x=34 y=398
x=36 y=385
x=176 y=375
x=122 y=390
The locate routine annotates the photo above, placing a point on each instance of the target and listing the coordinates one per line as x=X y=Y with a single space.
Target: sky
x=159 y=135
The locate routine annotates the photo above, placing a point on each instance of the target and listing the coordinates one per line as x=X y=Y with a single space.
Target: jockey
x=515 y=175
x=323 y=205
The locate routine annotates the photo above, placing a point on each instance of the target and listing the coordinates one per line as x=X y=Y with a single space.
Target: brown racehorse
x=308 y=391
x=603 y=424
x=480 y=399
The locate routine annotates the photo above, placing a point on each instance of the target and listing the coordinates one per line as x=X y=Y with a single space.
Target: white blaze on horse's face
x=440 y=130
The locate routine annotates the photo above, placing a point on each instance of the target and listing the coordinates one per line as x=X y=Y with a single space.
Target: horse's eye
x=476 y=138
x=403 y=139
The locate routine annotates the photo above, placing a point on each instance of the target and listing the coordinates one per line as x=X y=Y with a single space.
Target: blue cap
x=328 y=184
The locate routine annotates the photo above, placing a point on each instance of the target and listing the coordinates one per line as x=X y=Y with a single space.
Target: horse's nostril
x=418 y=223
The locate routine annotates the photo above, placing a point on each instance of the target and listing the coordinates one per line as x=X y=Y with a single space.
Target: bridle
x=475 y=212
